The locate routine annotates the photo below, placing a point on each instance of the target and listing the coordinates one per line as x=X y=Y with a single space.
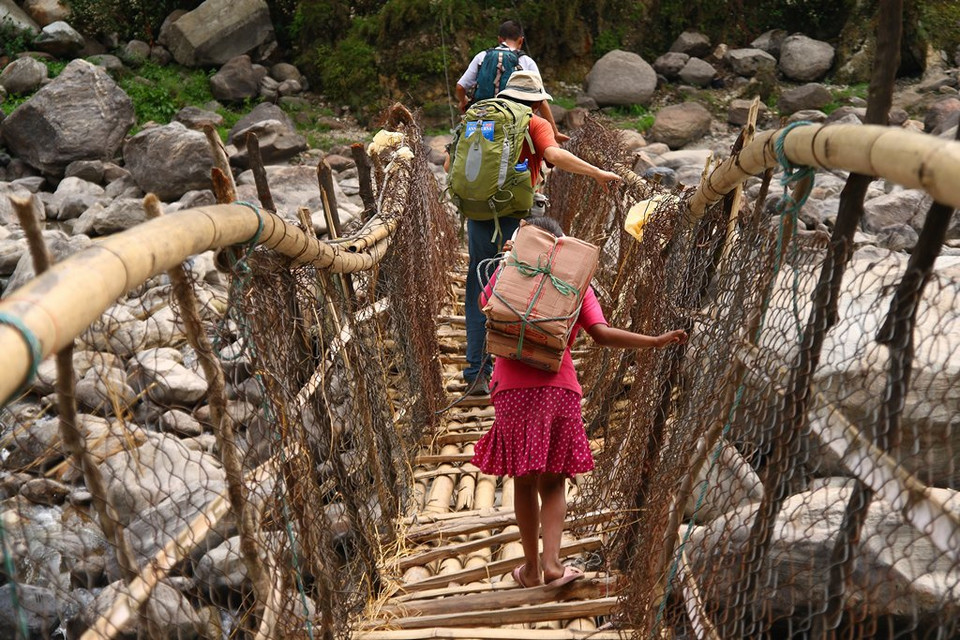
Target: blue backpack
x=494 y=72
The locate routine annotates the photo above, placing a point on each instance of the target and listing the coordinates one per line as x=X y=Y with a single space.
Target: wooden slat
x=446 y=633
x=587 y=588
x=496 y=540
x=498 y=567
x=513 y=615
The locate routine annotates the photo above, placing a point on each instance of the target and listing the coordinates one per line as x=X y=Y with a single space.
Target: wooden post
x=259 y=173
x=366 y=185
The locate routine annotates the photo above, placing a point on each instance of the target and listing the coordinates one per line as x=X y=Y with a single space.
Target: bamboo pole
x=913 y=160
x=57 y=306
x=220 y=159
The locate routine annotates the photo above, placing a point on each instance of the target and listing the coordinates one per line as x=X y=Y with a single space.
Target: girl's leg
x=527 y=509
x=553 y=512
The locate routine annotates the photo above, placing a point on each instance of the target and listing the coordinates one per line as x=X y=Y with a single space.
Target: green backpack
x=485 y=180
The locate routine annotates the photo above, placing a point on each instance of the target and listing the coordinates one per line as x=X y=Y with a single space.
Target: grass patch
x=632 y=116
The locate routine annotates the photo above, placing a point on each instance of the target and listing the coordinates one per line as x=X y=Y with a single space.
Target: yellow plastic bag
x=640 y=213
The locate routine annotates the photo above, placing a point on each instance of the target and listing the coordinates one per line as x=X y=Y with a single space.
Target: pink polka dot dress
x=538 y=426
x=535 y=430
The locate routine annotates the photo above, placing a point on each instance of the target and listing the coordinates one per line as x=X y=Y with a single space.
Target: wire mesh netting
x=252 y=502
x=790 y=472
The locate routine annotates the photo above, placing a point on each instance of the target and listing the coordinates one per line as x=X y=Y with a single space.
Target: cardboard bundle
x=537 y=296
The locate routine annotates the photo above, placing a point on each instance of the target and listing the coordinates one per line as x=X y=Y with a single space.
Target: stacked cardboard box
x=537 y=296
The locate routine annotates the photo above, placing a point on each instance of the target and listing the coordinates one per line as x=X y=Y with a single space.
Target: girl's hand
x=677 y=336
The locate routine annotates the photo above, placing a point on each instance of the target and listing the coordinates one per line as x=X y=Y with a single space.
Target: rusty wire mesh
x=749 y=508
x=331 y=380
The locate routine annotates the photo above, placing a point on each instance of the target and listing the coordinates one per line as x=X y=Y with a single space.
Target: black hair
x=547 y=224
x=511 y=30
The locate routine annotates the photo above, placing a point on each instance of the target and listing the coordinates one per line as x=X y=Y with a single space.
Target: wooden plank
x=447 y=633
x=513 y=615
x=499 y=567
x=454 y=458
x=439 y=553
x=587 y=588
x=457 y=527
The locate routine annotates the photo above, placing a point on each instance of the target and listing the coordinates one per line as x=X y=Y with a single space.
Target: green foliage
x=13 y=40
x=348 y=72
x=632 y=116
x=158 y=93
x=129 y=19
x=939 y=23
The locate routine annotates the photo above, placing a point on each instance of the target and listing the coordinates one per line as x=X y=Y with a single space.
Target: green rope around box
x=542 y=268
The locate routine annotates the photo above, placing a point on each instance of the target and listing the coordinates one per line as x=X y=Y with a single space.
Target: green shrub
x=13 y=40
x=348 y=73
x=158 y=93
x=139 y=19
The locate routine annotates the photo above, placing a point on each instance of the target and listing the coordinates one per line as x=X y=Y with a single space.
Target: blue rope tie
x=33 y=343
x=252 y=242
x=792 y=173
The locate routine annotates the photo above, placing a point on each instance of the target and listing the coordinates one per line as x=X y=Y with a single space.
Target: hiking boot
x=479 y=386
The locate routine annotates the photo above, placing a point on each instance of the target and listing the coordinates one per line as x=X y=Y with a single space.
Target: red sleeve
x=590 y=311
x=542 y=134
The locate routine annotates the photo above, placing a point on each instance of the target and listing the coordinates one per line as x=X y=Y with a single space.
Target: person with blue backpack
x=494 y=166
x=488 y=72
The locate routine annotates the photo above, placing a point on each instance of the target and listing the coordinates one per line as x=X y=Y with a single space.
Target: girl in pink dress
x=538 y=435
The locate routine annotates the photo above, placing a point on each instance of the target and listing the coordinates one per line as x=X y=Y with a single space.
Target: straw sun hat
x=525 y=85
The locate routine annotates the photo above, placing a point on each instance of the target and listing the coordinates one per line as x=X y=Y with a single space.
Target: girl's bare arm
x=607 y=336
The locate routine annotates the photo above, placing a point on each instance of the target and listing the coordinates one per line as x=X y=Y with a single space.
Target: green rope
x=788 y=206
x=33 y=344
x=11 y=571
x=542 y=268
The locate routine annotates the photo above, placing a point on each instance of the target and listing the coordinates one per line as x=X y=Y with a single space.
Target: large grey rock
x=698 y=72
x=897 y=564
x=7 y=213
x=621 y=77
x=169 y=160
x=680 y=124
x=296 y=186
x=46 y=12
x=261 y=112
x=140 y=478
x=217 y=31
x=38 y=606
x=692 y=43
x=59 y=39
x=804 y=59
x=278 y=142
x=669 y=64
x=939 y=112
x=81 y=115
x=807 y=96
x=770 y=41
x=23 y=75
x=160 y=374
x=59 y=244
x=102 y=219
x=746 y=62
x=739 y=112
x=13 y=15
x=171 y=610
x=904 y=206
x=236 y=80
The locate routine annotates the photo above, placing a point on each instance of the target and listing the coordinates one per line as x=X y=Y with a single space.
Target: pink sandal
x=569 y=575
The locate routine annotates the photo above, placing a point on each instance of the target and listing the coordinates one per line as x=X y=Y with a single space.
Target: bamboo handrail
x=911 y=159
x=61 y=303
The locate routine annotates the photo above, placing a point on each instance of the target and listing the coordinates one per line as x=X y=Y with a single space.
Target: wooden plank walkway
x=460 y=543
